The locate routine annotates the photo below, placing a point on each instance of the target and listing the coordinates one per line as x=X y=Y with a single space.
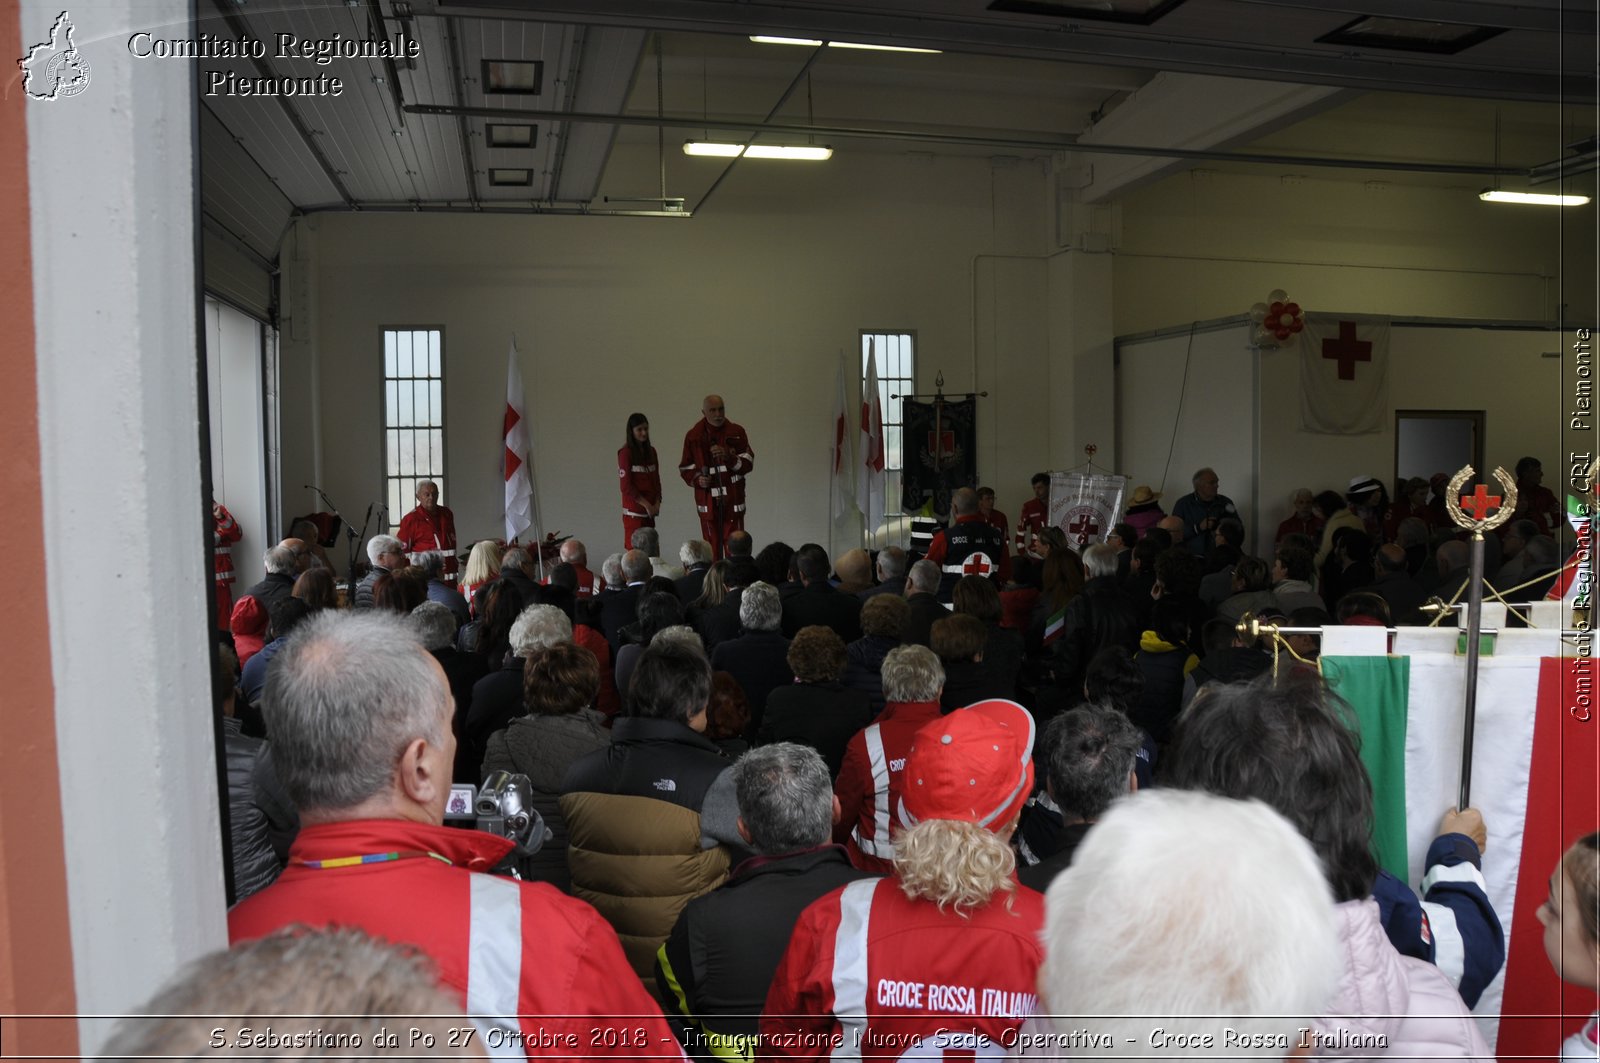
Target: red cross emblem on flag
x=977 y=565
x=946 y=441
x=1083 y=528
x=1347 y=350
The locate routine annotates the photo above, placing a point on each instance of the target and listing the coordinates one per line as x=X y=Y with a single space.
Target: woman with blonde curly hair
x=951 y=940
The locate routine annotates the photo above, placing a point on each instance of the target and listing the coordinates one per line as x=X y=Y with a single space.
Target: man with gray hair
x=696 y=557
x=353 y=983
x=1088 y=755
x=871 y=777
x=1101 y=614
x=435 y=626
x=971 y=546
x=386 y=555
x=649 y=540
x=759 y=658
x=611 y=575
x=1251 y=975
x=516 y=568
x=360 y=722
x=715 y=967
x=619 y=610
x=432 y=563
x=283 y=563
x=891 y=573
x=922 y=588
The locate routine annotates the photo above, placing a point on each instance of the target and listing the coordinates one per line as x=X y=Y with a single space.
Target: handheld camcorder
x=503 y=806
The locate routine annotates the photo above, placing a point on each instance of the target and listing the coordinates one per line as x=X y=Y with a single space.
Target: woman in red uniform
x=640 y=475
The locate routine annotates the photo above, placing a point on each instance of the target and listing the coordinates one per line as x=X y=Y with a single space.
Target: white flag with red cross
x=1344 y=374
x=1085 y=505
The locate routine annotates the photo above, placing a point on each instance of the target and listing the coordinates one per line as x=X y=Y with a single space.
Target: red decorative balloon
x=1282 y=333
x=1275 y=309
x=1297 y=326
x=1292 y=309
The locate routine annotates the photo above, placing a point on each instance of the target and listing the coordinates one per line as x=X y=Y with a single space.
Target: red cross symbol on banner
x=946 y=441
x=1480 y=502
x=1084 y=527
x=1347 y=350
x=978 y=565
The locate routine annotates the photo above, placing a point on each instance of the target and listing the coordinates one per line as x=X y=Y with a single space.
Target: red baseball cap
x=973 y=766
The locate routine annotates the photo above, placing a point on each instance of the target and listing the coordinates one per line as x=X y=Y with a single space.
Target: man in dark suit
x=621 y=609
x=1397 y=586
x=819 y=602
x=759 y=658
x=891 y=573
x=922 y=595
x=696 y=557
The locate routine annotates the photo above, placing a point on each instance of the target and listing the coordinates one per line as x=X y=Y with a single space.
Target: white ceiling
x=1007 y=84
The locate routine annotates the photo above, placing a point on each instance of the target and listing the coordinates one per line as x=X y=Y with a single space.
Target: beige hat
x=1143 y=494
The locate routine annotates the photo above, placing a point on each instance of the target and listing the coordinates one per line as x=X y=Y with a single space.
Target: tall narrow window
x=413 y=416
x=897 y=376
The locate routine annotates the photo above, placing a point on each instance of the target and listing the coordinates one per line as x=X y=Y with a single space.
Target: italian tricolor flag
x=1535 y=778
x=1568 y=585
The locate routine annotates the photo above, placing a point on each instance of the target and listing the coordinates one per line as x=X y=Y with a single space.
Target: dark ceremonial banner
x=936 y=466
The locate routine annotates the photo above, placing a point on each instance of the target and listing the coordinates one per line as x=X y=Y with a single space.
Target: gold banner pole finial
x=1480 y=502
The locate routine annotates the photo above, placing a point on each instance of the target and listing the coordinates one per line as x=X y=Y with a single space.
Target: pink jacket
x=1407 y=1002
x=1145 y=519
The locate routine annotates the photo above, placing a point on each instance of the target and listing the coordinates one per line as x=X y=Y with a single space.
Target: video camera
x=502 y=806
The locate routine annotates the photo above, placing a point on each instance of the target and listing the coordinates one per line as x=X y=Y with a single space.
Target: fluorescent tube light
x=758 y=151
x=1493 y=195
x=883 y=47
x=706 y=147
x=786 y=40
x=844 y=44
x=788 y=151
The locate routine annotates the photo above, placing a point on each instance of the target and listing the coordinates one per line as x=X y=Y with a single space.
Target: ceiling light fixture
x=1495 y=195
x=801 y=152
x=845 y=44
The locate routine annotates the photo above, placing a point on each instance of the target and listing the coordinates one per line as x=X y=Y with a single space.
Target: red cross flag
x=520 y=509
x=1344 y=374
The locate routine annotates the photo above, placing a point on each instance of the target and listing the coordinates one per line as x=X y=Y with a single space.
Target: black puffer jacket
x=255 y=865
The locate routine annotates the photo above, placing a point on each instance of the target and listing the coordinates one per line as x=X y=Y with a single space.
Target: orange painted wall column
x=35 y=936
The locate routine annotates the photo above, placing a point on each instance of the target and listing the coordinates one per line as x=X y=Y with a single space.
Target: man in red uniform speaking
x=430 y=527
x=360 y=719
x=716 y=458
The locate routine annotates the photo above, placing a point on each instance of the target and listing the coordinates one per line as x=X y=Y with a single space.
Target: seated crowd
x=902 y=805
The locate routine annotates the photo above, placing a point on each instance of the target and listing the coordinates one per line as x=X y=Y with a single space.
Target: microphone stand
x=351 y=535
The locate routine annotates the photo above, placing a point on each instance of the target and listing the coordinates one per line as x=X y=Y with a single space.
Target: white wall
x=1208 y=244
x=1500 y=372
x=238 y=457
x=115 y=307
x=754 y=298
x=1185 y=402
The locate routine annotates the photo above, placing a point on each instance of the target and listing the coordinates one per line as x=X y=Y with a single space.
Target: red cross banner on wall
x=1344 y=374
